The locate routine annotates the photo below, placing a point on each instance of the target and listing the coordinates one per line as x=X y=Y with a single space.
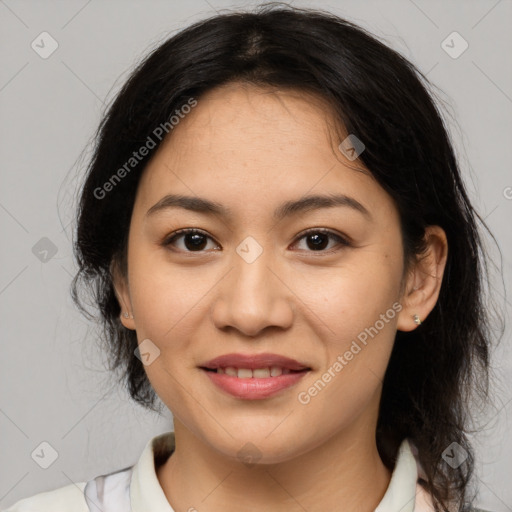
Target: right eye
x=194 y=240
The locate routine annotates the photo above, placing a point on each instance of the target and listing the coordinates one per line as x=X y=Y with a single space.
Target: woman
x=282 y=250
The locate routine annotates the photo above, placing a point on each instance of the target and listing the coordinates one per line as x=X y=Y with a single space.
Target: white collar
x=147 y=494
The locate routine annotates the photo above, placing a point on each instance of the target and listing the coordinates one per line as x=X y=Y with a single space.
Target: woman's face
x=253 y=281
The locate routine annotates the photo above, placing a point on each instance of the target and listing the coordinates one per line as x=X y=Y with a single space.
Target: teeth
x=258 y=373
x=275 y=371
x=244 y=373
x=261 y=373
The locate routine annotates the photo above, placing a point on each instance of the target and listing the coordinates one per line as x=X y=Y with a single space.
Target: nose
x=252 y=297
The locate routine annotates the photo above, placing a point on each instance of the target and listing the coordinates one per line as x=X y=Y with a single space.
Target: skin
x=251 y=149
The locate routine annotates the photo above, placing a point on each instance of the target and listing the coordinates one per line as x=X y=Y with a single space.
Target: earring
x=126 y=315
x=417 y=320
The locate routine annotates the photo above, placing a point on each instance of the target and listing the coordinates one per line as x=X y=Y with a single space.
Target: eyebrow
x=307 y=203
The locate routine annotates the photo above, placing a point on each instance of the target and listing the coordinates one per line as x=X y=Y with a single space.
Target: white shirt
x=137 y=489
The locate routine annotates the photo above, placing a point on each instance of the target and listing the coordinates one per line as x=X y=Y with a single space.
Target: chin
x=256 y=448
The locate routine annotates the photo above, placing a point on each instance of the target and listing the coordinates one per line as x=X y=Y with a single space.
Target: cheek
x=361 y=313
x=359 y=305
x=167 y=302
x=163 y=294
x=166 y=318
x=353 y=295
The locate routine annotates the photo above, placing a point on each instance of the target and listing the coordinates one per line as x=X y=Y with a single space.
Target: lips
x=254 y=377
x=254 y=361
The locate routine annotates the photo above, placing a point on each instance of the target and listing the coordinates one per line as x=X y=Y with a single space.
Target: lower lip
x=254 y=388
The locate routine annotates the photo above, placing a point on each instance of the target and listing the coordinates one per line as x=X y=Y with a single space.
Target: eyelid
x=326 y=231
x=343 y=240
x=185 y=231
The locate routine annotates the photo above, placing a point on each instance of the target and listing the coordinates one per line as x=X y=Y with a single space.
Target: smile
x=255 y=384
x=247 y=373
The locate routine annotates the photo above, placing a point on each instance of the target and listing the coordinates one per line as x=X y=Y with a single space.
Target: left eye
x=318 y=239
x=195 y=240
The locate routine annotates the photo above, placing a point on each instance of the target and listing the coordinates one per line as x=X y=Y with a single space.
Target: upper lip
x=254 y=361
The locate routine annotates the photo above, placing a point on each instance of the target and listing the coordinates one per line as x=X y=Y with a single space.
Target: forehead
x=243 y=119
x=244 y=145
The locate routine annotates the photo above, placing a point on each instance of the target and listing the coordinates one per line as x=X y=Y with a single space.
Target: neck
x=345 y=472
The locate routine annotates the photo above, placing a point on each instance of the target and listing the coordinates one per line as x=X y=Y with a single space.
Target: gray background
x=54 y=386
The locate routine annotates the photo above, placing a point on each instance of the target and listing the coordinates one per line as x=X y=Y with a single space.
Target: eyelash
x=341 y=240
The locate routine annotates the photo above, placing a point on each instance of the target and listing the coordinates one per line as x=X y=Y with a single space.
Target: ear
x=424 y=280
x=122 y=291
